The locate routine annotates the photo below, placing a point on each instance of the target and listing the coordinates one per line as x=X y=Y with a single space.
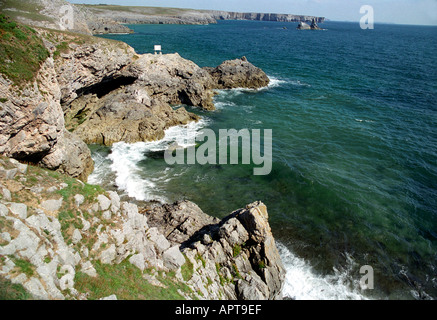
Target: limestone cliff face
x=32 y=126
x=279 y=17
x=132 y=103
x=238 y=252
x=152 y=15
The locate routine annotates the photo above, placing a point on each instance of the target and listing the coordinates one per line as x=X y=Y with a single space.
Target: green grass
x=21 y=5
x=61 y=48
x=74 y=187
x=24 y=265
x=12 y=291
x=21 y=51
x=126 y=282
x=236 y=250
x=187 y=269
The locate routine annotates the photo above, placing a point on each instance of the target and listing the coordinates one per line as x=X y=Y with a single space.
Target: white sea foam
x=126 y=157
x=220 y=105
x=275 y=82
x=361 y=120
x=100 y=169
x=303 y=283
x=299 y=83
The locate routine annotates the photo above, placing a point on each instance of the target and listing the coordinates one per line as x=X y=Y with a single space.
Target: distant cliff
x=279 y=17
x=155 y=15
x=101 y=19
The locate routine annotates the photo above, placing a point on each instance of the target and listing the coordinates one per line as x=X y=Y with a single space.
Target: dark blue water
x=354 y=120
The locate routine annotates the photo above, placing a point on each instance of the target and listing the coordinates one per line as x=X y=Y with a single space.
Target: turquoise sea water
x=354 y=178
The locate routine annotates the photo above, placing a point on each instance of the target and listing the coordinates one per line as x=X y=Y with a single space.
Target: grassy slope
x=24 y=9
x=21 y=51
x=152 y=11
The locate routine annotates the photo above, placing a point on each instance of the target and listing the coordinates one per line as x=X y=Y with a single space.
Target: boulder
x=52 y=204
x=19 y=209
x=173 y=258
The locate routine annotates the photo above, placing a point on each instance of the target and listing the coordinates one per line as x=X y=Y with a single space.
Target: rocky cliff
x=279 y=17
x=153 y=15
x=63 y=239
x=103 y=19
x=105 y=92
x=59 y=236
x=134 y=103
x=31 y=118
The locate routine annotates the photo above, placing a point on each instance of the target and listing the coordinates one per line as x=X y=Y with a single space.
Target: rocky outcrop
x=239 y=252
x=59 y=235
x=314 y=25
x=126 y=114
x=82 y=63
x=172 y=79
x=238 y=73
x=305 y=26
x=106 y=93
x=104 y=26
x=133 y=103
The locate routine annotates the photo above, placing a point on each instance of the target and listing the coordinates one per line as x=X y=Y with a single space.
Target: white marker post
x=157 y=48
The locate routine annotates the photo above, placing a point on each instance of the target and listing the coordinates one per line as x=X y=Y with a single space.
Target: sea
x=352 y=194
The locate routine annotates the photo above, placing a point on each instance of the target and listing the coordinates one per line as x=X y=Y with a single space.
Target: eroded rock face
x=126 y=114
x=238 y=73
x=32 y=126
x=87 y=62
x=239 y=251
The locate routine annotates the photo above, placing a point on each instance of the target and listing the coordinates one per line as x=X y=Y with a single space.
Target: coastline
x=337 y=199
x=229 y=261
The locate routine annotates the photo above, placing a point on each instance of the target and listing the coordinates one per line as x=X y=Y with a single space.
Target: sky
x=422 y=12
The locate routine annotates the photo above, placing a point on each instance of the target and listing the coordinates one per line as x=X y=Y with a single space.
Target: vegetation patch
x=12 y=291
x=236 y=250
x=61 y=48
x=24 y=265
x=21 y=51
x=187 y=269
x=127 y=283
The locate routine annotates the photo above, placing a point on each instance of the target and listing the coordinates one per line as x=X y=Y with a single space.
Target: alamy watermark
x=367 y=280
x=367 y=21
x=228 y=153
x=66 y=21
